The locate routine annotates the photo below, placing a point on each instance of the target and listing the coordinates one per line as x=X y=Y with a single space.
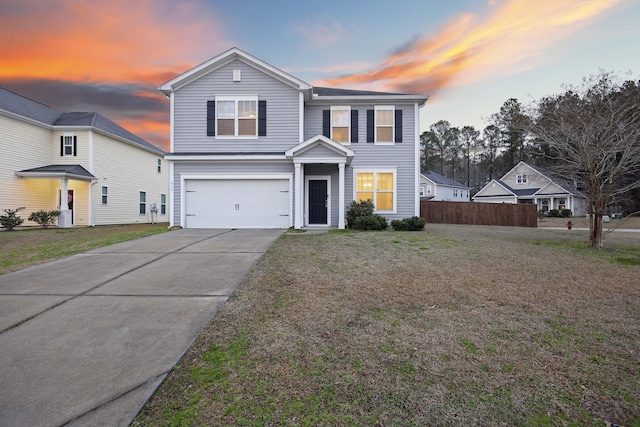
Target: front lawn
x=456 y=325
x=30 y=246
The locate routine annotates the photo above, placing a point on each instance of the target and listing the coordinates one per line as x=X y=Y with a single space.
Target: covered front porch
x=319 y=182
x=66 y=188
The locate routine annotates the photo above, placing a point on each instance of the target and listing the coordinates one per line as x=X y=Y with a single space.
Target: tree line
x=588 y=135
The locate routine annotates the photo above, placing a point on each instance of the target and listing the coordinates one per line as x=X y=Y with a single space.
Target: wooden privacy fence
x=474 y=213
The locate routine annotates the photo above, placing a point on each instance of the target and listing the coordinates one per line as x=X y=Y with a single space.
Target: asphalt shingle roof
x=442 y=180
x=33 y=110
x=70 y=169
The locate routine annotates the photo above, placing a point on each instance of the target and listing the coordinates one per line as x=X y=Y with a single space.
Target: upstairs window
x=521 y=179
x=159 y=165
x=340 y=121
x=68 y=145
x=384 y=124
x=455 y=192
x=237 y=116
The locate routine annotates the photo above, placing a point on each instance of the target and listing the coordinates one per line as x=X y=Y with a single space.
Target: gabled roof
x=550 y=177
x=341 y=152
x=58 y=171
x=34 y=111
x=509 y=190
x=436 y=178
x=28 y=108
x=223 y=59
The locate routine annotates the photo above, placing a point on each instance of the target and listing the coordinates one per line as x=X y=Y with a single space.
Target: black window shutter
x=61 y=145
x=354 y=125
x=370 y=125
x=211 y=118
x=75 y=145
x=326 y=123
x=398 y=136
x=262 y=118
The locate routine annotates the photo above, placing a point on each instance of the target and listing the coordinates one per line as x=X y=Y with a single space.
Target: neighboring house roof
x=25 y=107
x=34 y=111
x=530 y=192
x=436 y=178
x=58 y=171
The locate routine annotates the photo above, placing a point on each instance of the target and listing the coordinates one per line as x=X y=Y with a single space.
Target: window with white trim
x=377 y=186
x=143 y=203
x=159 y=165
x=423 y=191
x=163 y=204
x=105 y=194
x=521 y=179
x=341 y=123
x=384 y=124
x=455 y=192
x=68 y=146
x=237 y=116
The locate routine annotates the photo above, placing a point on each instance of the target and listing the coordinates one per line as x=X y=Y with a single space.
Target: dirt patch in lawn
x=456 y=325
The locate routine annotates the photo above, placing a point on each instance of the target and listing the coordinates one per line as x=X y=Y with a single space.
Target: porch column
x=341 y=196
x=551 y=203
x=64 y=220
x=297 y=177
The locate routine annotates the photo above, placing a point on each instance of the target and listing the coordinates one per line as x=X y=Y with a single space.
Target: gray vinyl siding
x=373 y=157
x=190 y=111
x=221 y=168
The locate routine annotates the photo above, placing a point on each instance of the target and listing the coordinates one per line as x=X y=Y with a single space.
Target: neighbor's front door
x=318 y=201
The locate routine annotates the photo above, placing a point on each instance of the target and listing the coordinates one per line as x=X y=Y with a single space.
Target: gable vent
x=237 y=75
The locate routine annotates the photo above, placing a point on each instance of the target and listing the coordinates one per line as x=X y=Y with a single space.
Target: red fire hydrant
x=569 y=225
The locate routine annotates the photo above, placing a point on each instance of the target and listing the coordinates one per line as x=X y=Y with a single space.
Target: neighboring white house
x=434 y=186
x=93 y=170
x=528 y=184
x=255 y=147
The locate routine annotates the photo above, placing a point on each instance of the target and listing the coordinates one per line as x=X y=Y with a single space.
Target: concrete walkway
x=87 y=339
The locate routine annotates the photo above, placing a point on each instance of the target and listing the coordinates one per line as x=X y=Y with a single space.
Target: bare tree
x=592 y=134
x=470 y=139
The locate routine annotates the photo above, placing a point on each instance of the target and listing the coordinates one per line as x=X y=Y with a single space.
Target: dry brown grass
x=456 y=325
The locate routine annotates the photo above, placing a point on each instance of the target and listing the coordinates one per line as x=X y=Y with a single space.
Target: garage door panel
x=237 y=203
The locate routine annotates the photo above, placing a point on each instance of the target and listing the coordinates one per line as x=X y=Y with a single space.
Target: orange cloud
x=508 y=41
x=103 y=41
x=87 y=53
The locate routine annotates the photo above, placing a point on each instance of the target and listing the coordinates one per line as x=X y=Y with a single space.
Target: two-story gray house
x=255 y=147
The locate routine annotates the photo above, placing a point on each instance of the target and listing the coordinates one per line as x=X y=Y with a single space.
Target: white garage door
x=237 y=203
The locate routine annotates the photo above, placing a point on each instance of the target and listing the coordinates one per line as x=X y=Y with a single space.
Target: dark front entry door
x=317 y=201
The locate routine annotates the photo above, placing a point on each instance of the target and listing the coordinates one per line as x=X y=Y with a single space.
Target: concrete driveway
x=87 y=339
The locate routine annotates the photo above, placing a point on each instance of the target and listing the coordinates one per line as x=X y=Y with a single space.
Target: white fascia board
x=57 y=175
x=227 y=158
x=25 y=119
x=391 y=99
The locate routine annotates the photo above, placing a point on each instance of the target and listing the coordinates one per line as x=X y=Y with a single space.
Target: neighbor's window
x=163 y=204
x=428 y=189
x=422 y=191
x=455 y=192
x=378 y=187
x=67 y=145
x=384 y=123
x=143 y=203
x=105 y=194
x=237 y=116
x=159 y=165
x=521 y=179
x=340 y=123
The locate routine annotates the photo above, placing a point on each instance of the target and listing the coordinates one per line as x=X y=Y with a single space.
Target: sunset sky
x=469 y=56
